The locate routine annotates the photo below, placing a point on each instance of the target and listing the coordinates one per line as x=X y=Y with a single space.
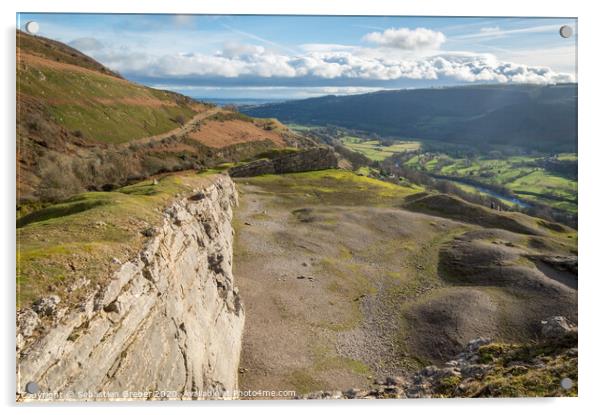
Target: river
x=505 y=198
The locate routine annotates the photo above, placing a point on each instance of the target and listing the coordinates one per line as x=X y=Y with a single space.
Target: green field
x=375 y=151
x=520 y=174
x=301 y=128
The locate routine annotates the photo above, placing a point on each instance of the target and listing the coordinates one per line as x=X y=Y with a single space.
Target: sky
x=292 y=57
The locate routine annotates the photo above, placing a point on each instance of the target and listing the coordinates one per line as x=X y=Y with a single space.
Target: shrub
x=180 y=119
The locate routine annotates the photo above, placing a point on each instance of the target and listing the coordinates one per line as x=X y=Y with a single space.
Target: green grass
x=519 y=174
x=374 y=151
x=303 y=381
x=299 y=127
x=63 y=243
x=326 y=358
x=541 y=183
x=365 y=171
x=567 y=157
x=101 y=107
x=337 y=187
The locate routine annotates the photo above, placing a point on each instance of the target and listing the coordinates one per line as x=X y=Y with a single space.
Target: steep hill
x=87 y=99
x=81 y=126
x=529 y=116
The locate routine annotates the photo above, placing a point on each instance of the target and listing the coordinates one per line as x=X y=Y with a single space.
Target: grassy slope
x=77 y=239
x=337 y=187
x=81 y=95
x=82 y=127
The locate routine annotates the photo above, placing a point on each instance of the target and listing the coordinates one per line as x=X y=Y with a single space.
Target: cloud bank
x=394 y=57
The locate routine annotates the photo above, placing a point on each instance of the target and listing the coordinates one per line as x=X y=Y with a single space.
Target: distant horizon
x=249 y=100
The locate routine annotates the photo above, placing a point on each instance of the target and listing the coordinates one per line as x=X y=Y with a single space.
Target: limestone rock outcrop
x=318 y=158
x=167 y=326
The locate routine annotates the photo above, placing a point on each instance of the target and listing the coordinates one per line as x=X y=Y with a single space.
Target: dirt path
x=186 y=128
x=315 y=280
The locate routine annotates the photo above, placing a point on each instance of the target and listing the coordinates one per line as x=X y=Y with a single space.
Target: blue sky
x=281 y=57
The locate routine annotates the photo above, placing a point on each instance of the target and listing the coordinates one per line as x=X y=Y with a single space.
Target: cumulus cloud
x=407 y=39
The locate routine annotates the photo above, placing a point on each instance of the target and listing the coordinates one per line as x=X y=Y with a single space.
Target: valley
x=537 y=183
x=319 y=246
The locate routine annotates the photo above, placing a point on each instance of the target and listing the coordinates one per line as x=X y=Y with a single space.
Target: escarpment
x=167 y=325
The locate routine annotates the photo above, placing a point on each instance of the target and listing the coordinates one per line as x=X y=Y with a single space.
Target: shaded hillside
x=81 y=126
x=530 y=116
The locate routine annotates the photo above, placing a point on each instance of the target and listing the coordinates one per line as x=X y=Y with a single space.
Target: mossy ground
x=78 y=238
x=332 y=187
x=530 y=369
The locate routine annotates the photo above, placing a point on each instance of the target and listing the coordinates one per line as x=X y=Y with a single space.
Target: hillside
x=529 y=116
x=80 y=126
x=348 y=279
x=88 y=100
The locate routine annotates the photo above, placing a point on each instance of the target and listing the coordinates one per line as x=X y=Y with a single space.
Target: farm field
x=375 y=151
x=522 y=175
x=525 y=176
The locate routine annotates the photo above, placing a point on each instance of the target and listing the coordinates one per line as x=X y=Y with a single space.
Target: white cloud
x=374 y=64
x=237 y=50
x=407 y=39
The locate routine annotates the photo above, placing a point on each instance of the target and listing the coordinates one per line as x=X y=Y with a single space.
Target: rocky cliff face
x=168 y=325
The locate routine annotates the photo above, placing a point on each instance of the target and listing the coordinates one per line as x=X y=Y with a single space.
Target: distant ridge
x=534 y=117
